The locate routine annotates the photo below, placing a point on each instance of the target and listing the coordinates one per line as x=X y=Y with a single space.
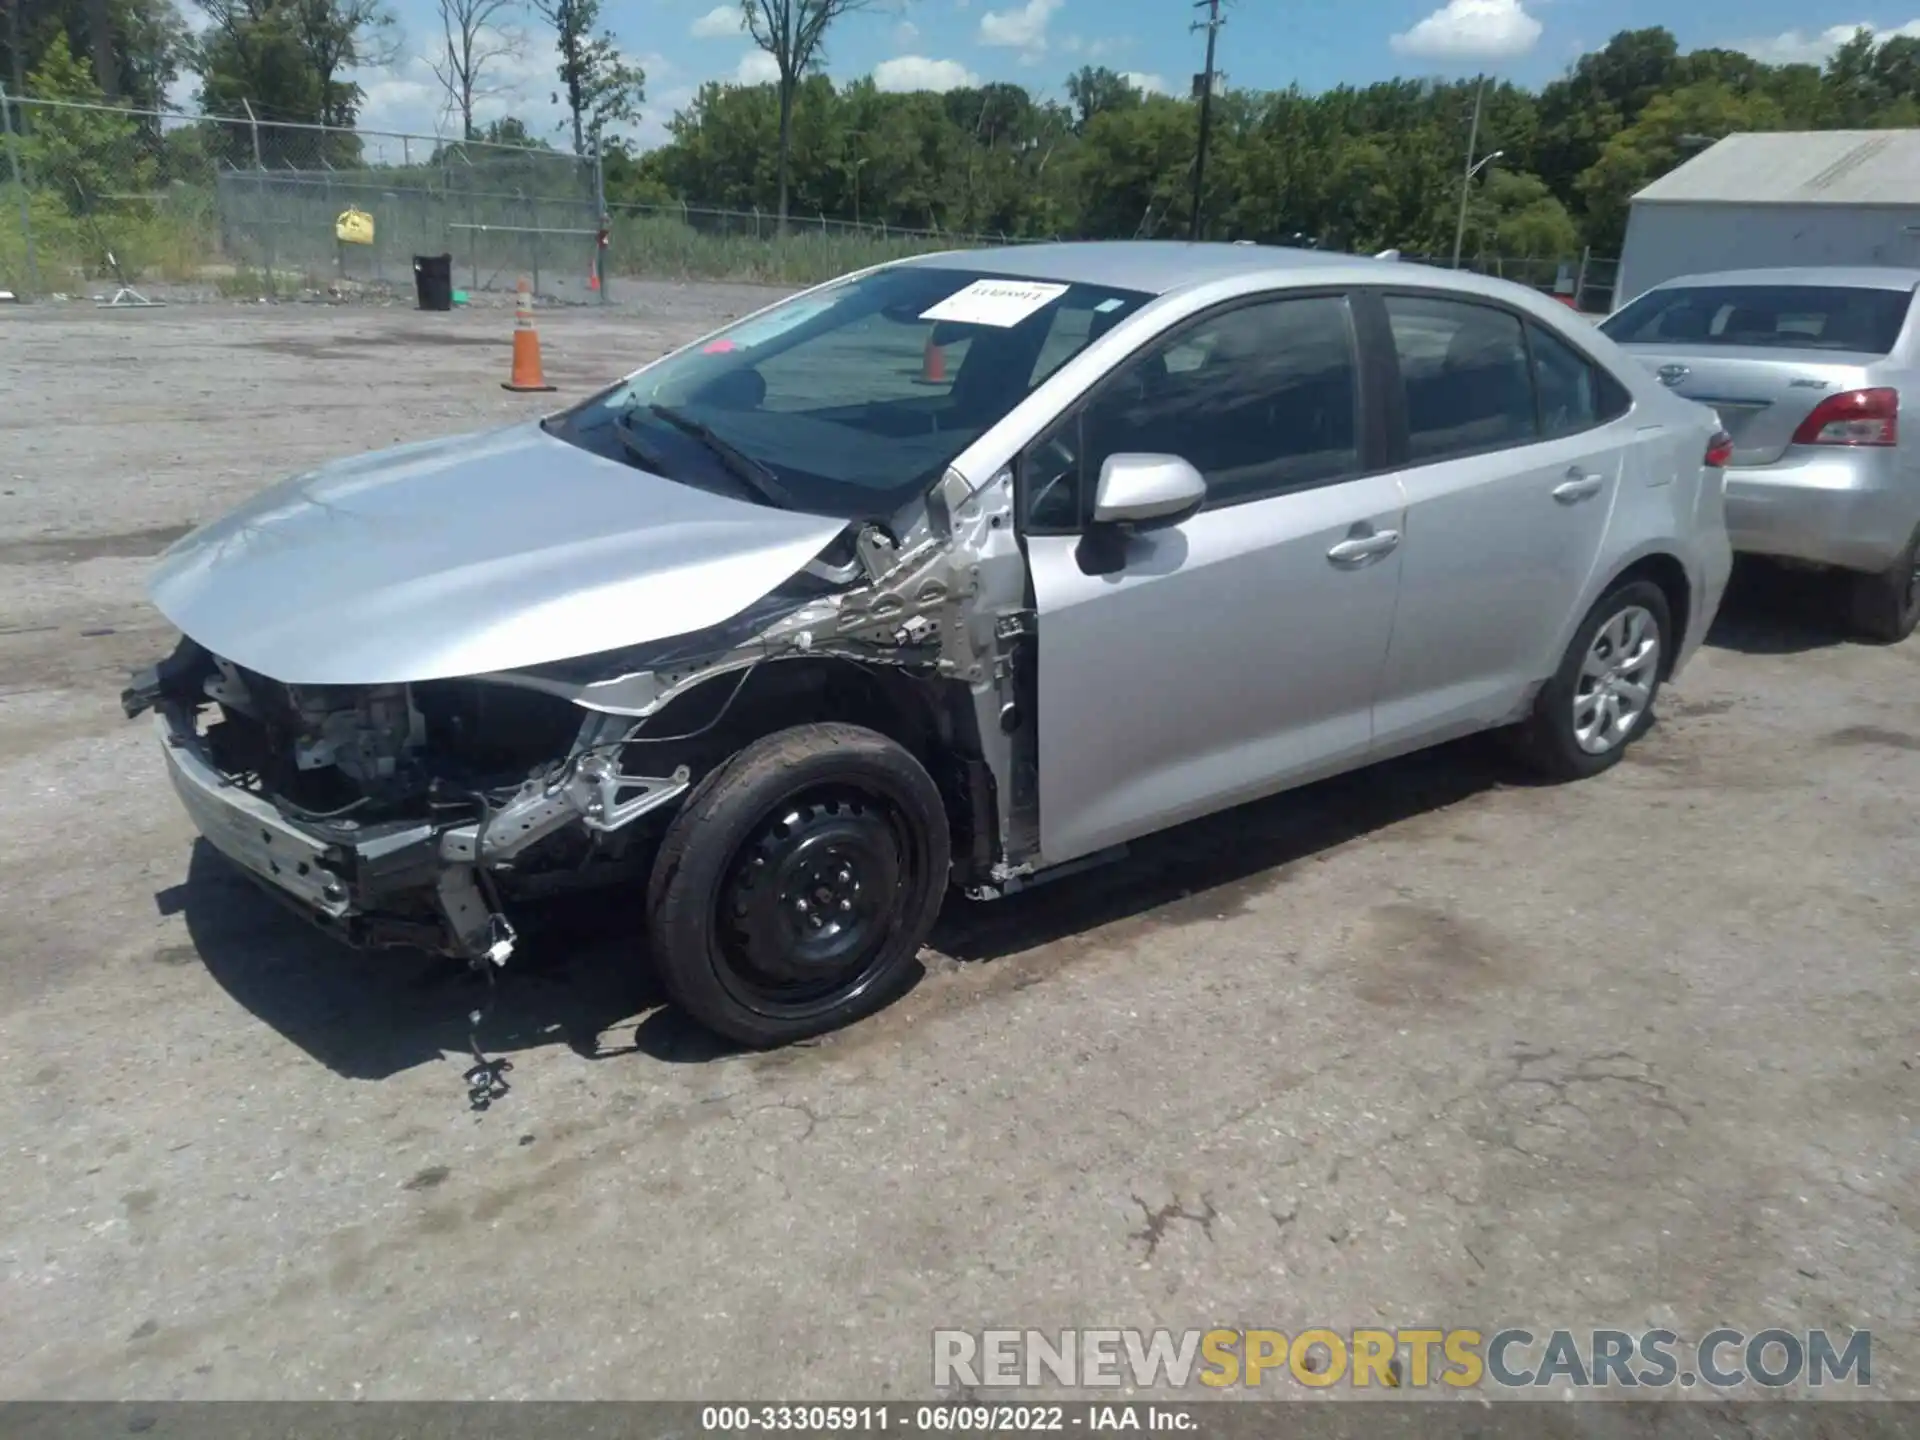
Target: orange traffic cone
x=933 y=365
x=527 y=374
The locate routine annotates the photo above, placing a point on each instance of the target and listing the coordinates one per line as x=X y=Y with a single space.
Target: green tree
x=1518 y=217
x=1094 y=90
x=145 y=43
x=1135 y=168
x=1602 y=95
x=794 y=34
x=284 y=63
x=83 y=155
x=1359 y=168
x=510 y=130
x=601 y=89
x=1651 y=146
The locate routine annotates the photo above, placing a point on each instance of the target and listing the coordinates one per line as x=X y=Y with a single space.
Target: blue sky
x=937 y=44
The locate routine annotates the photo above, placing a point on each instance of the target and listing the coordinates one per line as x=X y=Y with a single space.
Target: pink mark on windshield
x=718 y=347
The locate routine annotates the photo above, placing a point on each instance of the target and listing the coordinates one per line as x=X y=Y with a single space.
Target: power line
x=1211 y=25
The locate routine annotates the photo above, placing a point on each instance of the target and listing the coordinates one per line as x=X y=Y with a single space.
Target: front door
x=1237 y=653
x=1512 y=476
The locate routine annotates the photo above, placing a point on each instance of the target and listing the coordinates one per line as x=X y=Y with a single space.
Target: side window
x=1259 y=399
x=1469 y=386
x=1575 y=393
x=1567 y=384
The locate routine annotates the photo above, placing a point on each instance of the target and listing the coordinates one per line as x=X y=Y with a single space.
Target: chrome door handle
x=1363 y=547
x=1579 y=485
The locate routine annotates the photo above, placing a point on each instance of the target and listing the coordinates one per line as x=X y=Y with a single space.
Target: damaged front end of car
x=424 y=813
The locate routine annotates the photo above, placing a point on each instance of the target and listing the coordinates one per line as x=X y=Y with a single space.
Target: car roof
x=1845 y=277
x=1167 y=267
x=1157 y=267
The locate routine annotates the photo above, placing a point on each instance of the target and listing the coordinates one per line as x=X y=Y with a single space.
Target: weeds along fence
x=694 y=242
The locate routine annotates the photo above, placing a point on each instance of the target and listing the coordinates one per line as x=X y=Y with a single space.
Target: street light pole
x=1466 y=180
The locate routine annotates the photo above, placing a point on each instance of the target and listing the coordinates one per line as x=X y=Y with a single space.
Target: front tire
x=1601 y=698
x=795 y=886
x=1886 y=606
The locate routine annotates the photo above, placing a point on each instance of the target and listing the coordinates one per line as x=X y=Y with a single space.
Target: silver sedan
x=1806 y=369
x=961 y=571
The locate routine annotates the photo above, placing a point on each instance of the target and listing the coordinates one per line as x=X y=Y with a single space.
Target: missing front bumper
x=388 y=887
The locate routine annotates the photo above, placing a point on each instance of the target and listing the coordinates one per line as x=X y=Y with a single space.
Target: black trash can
x=433 y=281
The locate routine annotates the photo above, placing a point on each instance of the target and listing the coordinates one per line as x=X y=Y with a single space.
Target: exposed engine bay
x=419 y=813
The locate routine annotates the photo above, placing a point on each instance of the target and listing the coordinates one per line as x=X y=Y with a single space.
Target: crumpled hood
x=480 y=553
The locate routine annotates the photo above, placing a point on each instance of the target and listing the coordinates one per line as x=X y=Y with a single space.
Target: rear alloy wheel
x=1601 y=698
x=1886 y=606
x=794 y=888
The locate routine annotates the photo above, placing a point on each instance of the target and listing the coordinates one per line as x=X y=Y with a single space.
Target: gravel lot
x=1420 y=1046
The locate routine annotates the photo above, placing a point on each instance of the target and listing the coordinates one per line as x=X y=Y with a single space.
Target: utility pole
x=1211 y=25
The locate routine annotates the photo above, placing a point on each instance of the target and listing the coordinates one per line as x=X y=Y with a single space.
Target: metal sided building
x=1750 y=201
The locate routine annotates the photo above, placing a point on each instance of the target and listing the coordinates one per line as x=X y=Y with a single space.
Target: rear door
x=1515 y=442
x=1763 y=356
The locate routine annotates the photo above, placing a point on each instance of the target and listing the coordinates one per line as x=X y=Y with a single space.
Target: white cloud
x=904 y=34
x=1471 y=30
x=756 y=67
x=404 y=97
x=721 y=22
x=1024 y=29
x=1094 y=49
x=917 y=72
x=1145 y=84
x=1798 y=47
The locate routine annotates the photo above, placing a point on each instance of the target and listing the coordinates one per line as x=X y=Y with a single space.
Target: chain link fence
x=102 y=193
x=97 y=196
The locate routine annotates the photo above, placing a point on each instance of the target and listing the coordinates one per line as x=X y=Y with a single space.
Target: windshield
x=1789 y=317
x=850 y=401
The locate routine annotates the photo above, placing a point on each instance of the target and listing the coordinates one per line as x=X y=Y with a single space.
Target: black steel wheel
x=794 y=888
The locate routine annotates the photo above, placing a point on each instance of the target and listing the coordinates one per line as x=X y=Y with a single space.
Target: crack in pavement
x=1158 y=1221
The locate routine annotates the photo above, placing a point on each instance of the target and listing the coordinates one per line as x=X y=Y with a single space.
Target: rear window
x=1795 y=317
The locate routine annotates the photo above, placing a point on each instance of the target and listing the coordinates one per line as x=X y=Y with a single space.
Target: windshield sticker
x=1107 y=307
x=772 y=326
x=1000 y=303
x=719 y=347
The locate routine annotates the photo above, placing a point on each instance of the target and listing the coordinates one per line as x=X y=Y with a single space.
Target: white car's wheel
x=1601 y=698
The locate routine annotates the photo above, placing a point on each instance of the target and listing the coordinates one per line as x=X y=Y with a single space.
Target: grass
x=166 y=239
